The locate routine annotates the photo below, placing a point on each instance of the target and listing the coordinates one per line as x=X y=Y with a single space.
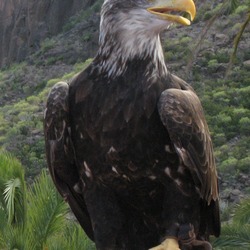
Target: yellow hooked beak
x=165 y=8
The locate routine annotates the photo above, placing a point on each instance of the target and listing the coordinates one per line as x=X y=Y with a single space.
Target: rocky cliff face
x=24 y=23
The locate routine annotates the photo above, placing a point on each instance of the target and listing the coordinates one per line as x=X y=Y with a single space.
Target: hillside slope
x=24 y=23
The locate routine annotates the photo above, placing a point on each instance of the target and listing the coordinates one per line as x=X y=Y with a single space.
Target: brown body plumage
x=129 y=148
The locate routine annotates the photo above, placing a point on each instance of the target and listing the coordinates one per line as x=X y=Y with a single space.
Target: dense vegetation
x=235 y=234
x=34 y=216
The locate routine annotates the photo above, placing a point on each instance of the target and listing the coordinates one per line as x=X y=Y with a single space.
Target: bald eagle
x=127 y=143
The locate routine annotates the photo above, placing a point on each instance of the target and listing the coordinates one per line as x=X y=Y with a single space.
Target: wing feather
x=182 y=115
x=60 y=154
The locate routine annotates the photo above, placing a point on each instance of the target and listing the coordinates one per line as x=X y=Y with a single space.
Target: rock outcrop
x=24 y=23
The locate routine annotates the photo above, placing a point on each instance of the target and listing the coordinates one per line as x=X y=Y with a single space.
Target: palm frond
x=3 y=218
x=234 y=236
x=12 y=188
x=11 y=169
x=17 y=238
x=11 y=194
x=3 y=224
x=46 y=210
x=77 y=238
x=242 y=213
x=73 y=238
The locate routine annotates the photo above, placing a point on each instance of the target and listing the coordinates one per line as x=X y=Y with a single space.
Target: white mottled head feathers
x=128 y=33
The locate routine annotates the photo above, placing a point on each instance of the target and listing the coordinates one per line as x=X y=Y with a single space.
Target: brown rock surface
x=24 y=23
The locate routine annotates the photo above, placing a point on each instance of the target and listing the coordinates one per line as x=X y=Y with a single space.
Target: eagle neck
x=114 y=55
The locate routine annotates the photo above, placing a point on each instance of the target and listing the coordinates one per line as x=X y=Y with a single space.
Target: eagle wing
x=182 y=115
x=60 y=154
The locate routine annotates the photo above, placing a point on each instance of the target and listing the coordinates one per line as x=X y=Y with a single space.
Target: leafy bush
x=229 y=164
x=47 y=44
x=244 y=125
x=244 y=164
x=212 y=65
x=242 y=9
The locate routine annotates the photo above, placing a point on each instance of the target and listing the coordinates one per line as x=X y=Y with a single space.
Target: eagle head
x=145 y=15
x=130 y=29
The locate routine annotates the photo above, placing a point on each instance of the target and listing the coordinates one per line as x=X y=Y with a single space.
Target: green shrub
x=212 y=65
x=219 y=139
x=229 y=164
x=170 y=56
x=47 y=44
x=244 y=124
x=222 y=56
x=221 y=97
x=86 y=37
x=185 y=40
x=242 y=9
x=244 y=164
